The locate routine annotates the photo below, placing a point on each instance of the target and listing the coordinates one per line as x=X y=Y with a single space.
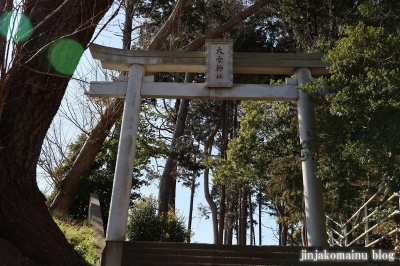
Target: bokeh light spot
x=15 y=26
x=64 y=55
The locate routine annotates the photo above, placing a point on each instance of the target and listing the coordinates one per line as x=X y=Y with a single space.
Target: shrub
x=145 y=225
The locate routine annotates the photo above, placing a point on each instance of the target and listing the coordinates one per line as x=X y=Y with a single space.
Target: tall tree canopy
x=358 y=116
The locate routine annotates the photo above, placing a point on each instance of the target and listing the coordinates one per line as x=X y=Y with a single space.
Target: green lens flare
x=64 y=55
x=15 y=26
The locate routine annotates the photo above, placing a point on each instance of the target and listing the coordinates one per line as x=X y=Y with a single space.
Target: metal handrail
x=365 y=204
x=373 y=227
x=370 y=215
x=333 y=220
x=364 y=221
x=336 y=232
x=338 y=243
x=367 y=217
x=383 y=237
x=334 y=240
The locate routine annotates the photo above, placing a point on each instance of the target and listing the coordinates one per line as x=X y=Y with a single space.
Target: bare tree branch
x=105 y=24
x=168 y=27
x=50 y=15
x=71 y=182
x=199 y=42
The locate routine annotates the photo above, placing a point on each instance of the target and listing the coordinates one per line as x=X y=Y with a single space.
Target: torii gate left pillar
x=120 y=198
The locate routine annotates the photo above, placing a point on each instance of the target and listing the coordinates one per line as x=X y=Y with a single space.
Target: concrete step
x=155 y=253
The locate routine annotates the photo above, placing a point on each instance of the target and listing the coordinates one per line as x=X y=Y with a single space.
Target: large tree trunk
x=167 y=178
x=284 y=235
x=169 y=26
x=224 y=146
x=221 y=220
x=199 y=42
x=252 y=239
x=243 y=217
x=33 y=95
x=283 y=228
x=5 y=5
x=210 y=201
x=70 y=184
x=230 y=221
x=192 y=190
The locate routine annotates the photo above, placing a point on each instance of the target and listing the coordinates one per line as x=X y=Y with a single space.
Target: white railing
x=341 y=234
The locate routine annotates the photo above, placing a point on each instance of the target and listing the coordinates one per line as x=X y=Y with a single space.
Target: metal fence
x=357 y=229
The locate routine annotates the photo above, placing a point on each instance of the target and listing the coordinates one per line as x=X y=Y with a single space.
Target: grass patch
x=80 y=234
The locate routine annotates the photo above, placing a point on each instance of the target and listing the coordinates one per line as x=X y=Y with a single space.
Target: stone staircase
x=154 y=253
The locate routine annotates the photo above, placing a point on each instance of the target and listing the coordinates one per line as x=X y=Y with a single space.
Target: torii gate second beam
x=138 y=86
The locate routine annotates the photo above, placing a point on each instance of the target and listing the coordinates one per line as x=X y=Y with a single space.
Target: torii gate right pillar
x=313 y=197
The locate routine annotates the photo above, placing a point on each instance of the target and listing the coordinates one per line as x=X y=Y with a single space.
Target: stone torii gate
x=219 y=63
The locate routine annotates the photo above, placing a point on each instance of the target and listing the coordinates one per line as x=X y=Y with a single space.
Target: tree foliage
x=145 y=225
x=266 y=157
x=99 y=178
x=358 y=109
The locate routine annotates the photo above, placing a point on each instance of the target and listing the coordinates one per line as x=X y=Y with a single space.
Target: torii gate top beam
x=243 y=63
x=136 y=86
